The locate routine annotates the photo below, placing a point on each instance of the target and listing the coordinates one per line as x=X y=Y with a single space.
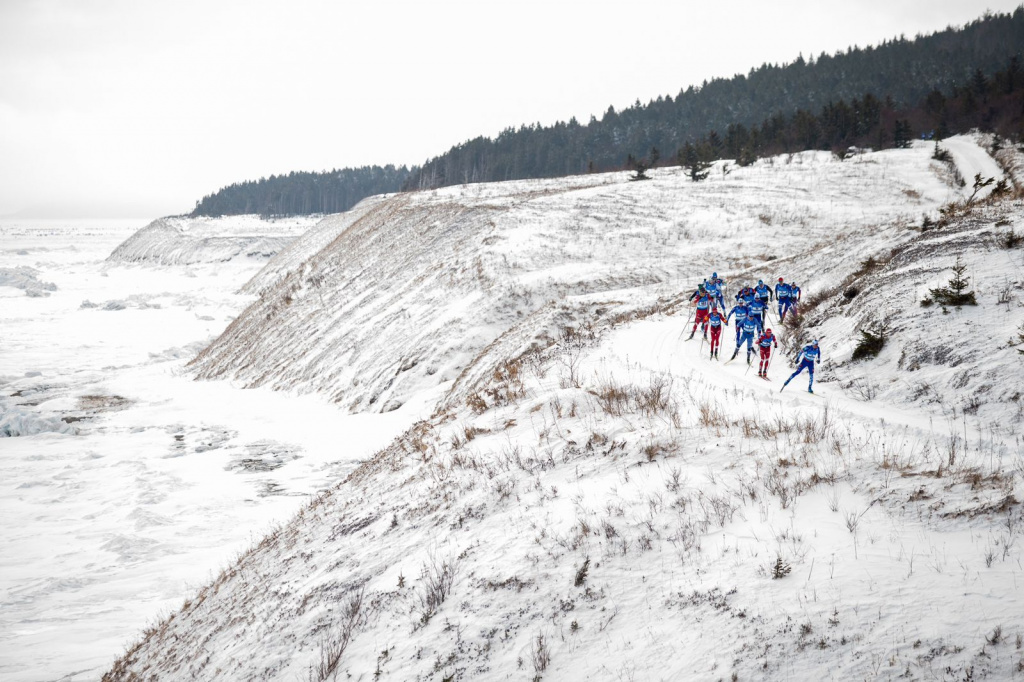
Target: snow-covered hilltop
x=185 y=241
x=594 y=498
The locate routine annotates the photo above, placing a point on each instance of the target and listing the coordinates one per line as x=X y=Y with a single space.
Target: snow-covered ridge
x=186 y=241
x=403 y=294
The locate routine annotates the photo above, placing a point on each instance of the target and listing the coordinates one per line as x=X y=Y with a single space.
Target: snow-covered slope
x=184 y=241
x=408 y=292
x=595 y=498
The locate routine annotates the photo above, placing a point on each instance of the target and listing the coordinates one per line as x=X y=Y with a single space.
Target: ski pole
x=689 y=317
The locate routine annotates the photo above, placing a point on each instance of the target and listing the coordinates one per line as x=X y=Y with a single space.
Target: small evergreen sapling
x=956 y=293
x=780 y=569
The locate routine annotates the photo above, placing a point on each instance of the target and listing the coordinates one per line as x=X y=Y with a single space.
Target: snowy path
x=971 y=160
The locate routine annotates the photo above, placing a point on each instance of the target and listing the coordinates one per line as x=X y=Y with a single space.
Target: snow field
x=680 y=485
x=593 y=498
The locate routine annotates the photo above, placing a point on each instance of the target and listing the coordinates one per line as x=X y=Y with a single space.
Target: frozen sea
x=124 y=484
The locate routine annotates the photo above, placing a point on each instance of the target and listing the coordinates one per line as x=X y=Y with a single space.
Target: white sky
x=138 y=108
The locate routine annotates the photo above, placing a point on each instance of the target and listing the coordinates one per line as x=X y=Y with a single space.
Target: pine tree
x=694 y=163
x=956 y=293
x=902 y=135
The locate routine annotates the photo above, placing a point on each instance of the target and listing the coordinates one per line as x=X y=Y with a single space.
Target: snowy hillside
x=437 y=276
x=594 y=498
x=185 y=241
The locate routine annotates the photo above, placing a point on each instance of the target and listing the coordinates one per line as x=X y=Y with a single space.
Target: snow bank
x=15 y=422
x=186 y=241
x=26 y=279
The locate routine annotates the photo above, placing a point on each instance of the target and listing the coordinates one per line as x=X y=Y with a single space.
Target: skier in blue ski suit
x=714 y=289
x=783 y=294
x=808 y=356
x=740 y=310
x=719 y=283
x=764 y=294
x=746 y=294
x=794 y=294
x=750 y=328
x=756 y=311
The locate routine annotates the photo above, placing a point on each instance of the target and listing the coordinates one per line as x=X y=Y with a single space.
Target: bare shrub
x=332 y=650
x=613 y=399
x=438 y=578
x=581 y=573
x=541 y=654
x=571 y=344
x=656 y=396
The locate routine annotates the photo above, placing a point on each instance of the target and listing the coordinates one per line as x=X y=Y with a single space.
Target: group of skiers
x=750 y=313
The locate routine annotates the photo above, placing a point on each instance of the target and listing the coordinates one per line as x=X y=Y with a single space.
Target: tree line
x=989 y=103
x=303 y=193
x=946 y=82
x=901 y=71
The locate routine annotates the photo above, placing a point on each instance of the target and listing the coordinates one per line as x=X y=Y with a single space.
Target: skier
x=745 y=294
x=806 y=359
x=794 y=296
x=720 y=283
x=765 y=343
x=756 y=310
x=714 y=289
x=749 y=329
x=703 y=305
x=783 y=292
x=765 y=294
x=740 y=310
x=716 y=320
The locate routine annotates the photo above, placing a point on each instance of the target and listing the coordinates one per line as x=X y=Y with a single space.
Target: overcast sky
x=138 y=108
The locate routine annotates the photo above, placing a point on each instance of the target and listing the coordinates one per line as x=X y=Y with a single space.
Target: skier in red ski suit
x=716 y=321
x=765 y=343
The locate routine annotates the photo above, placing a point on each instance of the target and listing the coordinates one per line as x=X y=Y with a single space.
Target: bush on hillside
x=871 y=342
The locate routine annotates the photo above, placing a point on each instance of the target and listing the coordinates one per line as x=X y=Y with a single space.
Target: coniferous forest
x=881 y=96
x=303 y=193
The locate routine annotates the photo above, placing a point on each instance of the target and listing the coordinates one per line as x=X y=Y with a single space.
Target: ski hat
x=815 y=342
x=760 y=281
x=701 y=287
x=714 y=274
x=780 y=279
x=767 y=331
